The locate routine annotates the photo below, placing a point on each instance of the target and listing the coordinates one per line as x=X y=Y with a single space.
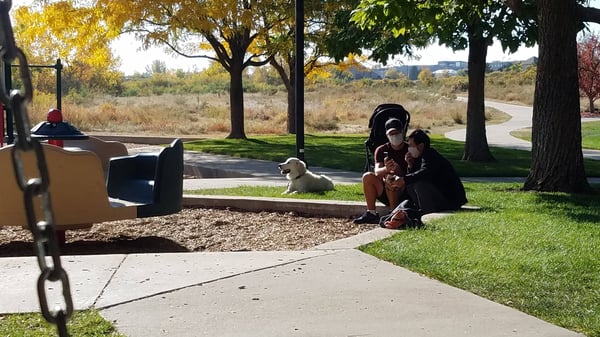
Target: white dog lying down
x=303 y=180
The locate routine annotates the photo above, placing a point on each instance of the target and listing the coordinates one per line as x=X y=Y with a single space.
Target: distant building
x=498 y=65
x=444 y=73
x=451 y=68
x=532 y=61
x=452 y=65
x=442 y=68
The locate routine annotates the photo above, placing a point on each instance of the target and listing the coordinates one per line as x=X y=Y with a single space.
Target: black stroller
x=377 y=137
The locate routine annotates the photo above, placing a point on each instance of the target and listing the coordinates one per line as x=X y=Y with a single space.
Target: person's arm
x=430 y=165
x=383 y=166
x=380 y=169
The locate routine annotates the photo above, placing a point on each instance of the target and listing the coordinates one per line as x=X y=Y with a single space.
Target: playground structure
x=141 y=185
x=6 y=126
x=91 y=180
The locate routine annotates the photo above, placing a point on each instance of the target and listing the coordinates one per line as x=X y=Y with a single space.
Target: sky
x=134 y=59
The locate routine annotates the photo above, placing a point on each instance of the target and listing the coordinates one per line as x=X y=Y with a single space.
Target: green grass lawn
x=590 y=135
x=347 y=152
x=86 y=323
x=537 y=252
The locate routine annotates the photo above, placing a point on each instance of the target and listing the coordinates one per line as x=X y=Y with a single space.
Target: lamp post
x=299 y=85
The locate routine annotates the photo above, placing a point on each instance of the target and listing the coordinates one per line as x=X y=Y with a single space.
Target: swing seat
x=152 y=180
x=77 y=189
x=105 y=150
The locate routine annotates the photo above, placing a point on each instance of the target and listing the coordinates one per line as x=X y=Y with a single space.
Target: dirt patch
x=194 y=230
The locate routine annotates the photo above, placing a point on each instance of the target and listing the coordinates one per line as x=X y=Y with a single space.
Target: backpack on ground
x=404 y=216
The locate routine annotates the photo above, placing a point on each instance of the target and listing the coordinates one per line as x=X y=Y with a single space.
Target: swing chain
x=46 y=244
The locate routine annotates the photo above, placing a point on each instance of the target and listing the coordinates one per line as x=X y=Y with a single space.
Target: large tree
x=230 y=29
x=458 y=24
x=557 y=159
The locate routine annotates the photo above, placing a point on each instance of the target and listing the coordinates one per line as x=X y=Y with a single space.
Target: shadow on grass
x=579 y=207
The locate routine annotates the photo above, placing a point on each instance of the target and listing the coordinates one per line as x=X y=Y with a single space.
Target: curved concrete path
x=498 y=135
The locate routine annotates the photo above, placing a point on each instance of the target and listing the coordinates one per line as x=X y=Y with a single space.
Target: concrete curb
x=335 y=208
x=150 y=140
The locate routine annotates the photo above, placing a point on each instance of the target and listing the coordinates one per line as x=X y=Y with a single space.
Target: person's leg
x=427 y=197
x=394 y=197
x=372 y=187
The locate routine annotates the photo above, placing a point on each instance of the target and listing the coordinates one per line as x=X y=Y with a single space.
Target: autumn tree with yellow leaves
x=236 y=34
x=229 y=32
x=75 y=35
x=318 y=20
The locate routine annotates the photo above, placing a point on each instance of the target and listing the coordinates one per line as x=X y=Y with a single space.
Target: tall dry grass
x=337 y=109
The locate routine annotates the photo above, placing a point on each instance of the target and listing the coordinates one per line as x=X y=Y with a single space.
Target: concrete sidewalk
x=498 y=135
x=331 y=290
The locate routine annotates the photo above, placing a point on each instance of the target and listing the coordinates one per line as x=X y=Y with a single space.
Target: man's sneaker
x=367 y=217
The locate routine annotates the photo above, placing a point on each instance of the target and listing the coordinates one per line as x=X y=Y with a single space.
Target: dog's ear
x=301 y=165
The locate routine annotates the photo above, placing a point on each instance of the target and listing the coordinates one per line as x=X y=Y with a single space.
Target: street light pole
x=299 y=80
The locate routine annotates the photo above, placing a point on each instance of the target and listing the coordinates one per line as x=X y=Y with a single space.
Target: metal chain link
x=46 y=245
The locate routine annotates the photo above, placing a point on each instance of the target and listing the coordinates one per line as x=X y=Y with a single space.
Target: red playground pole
x=55 y=116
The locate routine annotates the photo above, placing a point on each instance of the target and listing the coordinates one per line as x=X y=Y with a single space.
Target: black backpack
x=377 y=136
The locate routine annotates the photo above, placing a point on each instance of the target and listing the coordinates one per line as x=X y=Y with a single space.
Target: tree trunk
x=476 y=145
x=591 y=105
x=291 y=111
x=236 y=101
x=289 y=86
x=556 y=157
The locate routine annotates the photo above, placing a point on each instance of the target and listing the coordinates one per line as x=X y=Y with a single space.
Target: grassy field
x=350 y=153
x=590 y=134
x=536 y=252
x=333 y=109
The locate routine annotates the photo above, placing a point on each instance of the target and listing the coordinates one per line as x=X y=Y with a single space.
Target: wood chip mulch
x=194 y=230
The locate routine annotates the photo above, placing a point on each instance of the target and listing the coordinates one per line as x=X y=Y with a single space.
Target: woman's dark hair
x=420 y=137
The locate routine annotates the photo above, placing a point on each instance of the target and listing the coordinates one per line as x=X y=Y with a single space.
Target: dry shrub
x=458 y=117
x=258 y=127
x=344 y=108
x=322 y=123
x=219 y=126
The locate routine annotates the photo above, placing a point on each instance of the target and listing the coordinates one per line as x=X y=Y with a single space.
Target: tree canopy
x=229 y=32
x=396 y=26
x=76 y=35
